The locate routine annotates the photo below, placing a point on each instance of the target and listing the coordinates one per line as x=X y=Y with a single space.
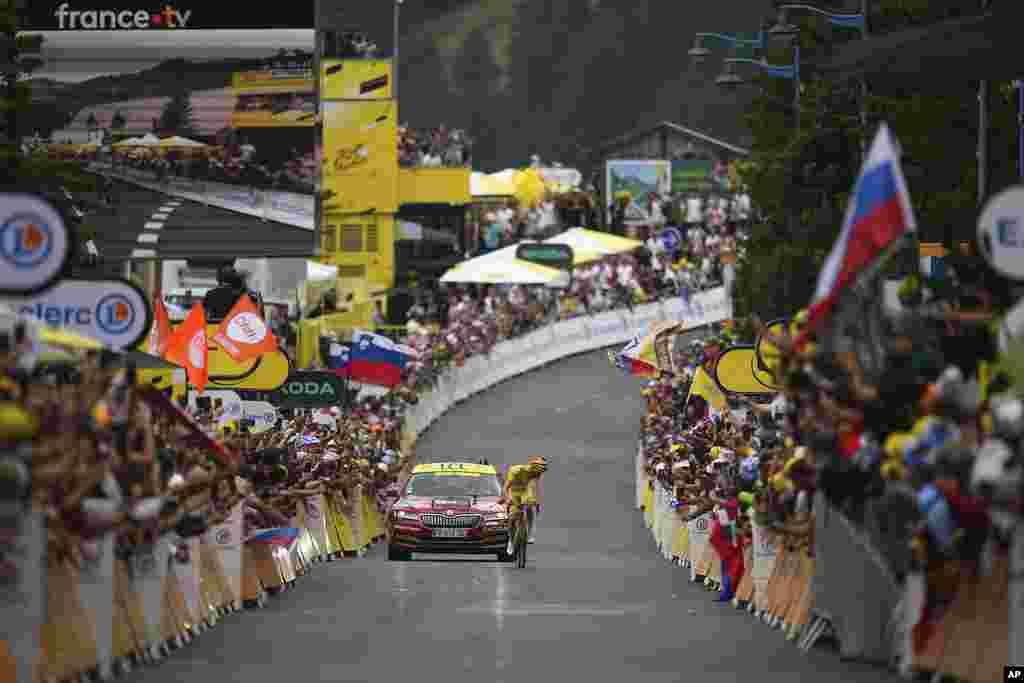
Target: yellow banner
x=355 y=79
x=736 y=371
x=706 y=388
x=360 y=164
x=273 y=99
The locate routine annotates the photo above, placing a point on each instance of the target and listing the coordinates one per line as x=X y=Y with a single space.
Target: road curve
x=597 y=603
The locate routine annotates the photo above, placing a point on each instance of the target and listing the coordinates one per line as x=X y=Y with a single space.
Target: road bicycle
x=520 y=534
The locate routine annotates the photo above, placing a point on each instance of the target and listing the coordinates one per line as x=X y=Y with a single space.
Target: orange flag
x=243 y=334
x=160 y=336
x=188 y=348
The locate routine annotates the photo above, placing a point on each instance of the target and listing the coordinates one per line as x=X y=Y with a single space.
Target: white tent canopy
x=595 y=242
x=502 y=267
x=178 y=141
x=320 y=272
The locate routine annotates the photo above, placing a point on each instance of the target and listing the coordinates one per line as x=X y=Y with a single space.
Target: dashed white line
x=160 y=216
x=149 y=237
x=143 y=253
x=153 y=225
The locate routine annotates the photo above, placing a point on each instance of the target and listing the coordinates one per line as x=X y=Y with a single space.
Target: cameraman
x=230 y=287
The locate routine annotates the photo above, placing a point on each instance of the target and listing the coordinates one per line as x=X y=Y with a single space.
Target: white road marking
x=149 y=237
x=552 y=610
x=143 y=253
x=153 y=225
x=167 y=208
x=159 y=216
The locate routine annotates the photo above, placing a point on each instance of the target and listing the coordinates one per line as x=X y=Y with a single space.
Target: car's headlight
x=402 y=514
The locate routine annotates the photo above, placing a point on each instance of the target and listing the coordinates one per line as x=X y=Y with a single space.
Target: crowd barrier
x=290 y=208
x=842 y=587
x=111 y=614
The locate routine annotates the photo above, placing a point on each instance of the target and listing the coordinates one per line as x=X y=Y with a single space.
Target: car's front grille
x=435 y=521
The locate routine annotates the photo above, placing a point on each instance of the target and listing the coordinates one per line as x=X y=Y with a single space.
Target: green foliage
x=176 y=117
x=801 y=181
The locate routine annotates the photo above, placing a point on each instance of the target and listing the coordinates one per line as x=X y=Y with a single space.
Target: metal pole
x=318 y=138
x=394 y=54
x=864 y=88
x=983 y=133
x=796 y=83
x=1020 y=129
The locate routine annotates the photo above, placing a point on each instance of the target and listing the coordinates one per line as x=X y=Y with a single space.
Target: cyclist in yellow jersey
x=521 y=488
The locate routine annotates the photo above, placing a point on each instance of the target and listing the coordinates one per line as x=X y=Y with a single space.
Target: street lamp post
x=730 y=78
x=787 y=30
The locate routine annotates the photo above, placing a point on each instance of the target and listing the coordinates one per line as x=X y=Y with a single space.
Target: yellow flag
x=706 y=388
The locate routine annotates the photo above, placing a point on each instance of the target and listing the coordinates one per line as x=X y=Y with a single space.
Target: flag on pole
x=375 y=359
x=706 y=388
x=243 y=334
x=878 y=215
x=188 y=348
x=162 y=332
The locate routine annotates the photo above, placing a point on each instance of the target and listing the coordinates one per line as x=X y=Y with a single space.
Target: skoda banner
x=310 y=390
x=114 y=312
x=35 y=244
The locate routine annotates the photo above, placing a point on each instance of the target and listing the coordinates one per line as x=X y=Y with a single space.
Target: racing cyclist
x=521 y=489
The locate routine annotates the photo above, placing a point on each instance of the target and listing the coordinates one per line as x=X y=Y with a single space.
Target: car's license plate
x=450 y=533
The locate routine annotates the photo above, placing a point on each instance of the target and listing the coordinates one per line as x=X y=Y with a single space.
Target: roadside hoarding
x=35 y=244
x=114 y=312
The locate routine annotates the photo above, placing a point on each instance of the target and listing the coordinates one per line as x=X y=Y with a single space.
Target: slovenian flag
x=281 y=537
x=879 y=213
x=375 y=359
x=337 y=358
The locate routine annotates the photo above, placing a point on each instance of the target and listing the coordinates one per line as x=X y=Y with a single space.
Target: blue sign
x=670 y=239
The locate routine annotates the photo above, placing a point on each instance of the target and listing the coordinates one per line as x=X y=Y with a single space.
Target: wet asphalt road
x=596 y=602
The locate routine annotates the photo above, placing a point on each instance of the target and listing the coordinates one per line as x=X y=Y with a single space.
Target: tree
x=801 y=182
x=176 y=117
x=477 y=73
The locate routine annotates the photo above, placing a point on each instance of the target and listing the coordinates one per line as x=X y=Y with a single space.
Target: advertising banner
x=641 y=180
x=699 y=531
x=702 y=308
x=263 y=415
x=607 y=324
x=281 y=95
x=310 y=389
x=266 y=373
x=35 y=244
x=227 y=539
x=23 y=594
x=360 y=165
x=355 y=79
x=113 y=312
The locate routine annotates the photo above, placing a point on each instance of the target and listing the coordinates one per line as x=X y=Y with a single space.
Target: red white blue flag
x=879 y=213
x=375 y=359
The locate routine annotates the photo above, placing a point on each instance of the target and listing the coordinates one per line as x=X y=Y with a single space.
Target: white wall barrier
x=560 y=340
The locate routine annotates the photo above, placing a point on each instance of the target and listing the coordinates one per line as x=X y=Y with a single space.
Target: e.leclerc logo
x=115 y=314
x=25 y=240
x=125 y=20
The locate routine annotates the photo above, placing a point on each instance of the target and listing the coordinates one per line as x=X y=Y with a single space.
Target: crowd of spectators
x=434 y=148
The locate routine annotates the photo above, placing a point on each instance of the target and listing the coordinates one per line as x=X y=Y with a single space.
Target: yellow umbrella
x=592 y=241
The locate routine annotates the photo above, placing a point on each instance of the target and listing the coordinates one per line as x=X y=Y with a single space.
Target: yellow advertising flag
x=360 y=162
x=355 y=79
x=706 y=388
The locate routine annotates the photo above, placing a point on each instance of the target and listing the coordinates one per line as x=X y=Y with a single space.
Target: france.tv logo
x=25 y=241
x=112 y=20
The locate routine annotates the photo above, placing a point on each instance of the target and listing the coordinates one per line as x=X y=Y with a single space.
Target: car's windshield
x=433 y=485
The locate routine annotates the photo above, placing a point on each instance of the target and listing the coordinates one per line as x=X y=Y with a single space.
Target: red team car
x=449 y=507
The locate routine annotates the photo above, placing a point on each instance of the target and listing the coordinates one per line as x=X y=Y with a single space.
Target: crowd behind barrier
x=874 y=505
x=434 y=148
x=139 y=524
